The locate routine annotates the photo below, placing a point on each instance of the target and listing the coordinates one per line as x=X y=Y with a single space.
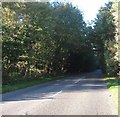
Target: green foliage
x=114 y=87
x=51 y=38
x=28 y=83
x=105 y=31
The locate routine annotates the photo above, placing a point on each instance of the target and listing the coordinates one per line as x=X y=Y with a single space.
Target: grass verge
x=24 y=84
x=114 y=87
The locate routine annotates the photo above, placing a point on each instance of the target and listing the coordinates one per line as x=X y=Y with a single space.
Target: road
x=84 y=94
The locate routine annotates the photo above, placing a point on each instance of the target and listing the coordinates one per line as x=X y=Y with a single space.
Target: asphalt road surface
x=84 y=94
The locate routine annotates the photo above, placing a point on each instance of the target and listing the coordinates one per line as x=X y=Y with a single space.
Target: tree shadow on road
x=75 y=83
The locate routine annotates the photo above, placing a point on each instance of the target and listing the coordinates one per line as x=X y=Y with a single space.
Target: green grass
x=24 y=84
x=113 y=85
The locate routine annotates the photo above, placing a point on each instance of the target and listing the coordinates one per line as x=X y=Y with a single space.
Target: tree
x=52 y=38
x=69 y=34
x=105 y=39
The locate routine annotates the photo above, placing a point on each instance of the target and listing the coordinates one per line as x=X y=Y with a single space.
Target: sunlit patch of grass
x=111 y=82
x=114 y=87
x=114 y=91
x=24 y=84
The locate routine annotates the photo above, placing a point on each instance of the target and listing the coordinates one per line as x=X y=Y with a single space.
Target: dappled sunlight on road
x=86 y=94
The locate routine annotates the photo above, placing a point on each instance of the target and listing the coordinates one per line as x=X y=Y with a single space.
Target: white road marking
x=26 y=113
x=77 y=81
x=56 y=93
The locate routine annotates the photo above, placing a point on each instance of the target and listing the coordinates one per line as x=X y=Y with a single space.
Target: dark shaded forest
x=48 y=39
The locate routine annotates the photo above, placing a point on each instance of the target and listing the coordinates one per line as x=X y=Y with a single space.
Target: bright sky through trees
x=89 y=7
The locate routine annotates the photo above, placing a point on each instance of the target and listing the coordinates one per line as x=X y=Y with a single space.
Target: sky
x=88 y=7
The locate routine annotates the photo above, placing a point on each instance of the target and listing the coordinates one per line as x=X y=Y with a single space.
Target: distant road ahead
x=74 y=95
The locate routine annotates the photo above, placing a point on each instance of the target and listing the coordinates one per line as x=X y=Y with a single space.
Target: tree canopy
x=51 y=38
